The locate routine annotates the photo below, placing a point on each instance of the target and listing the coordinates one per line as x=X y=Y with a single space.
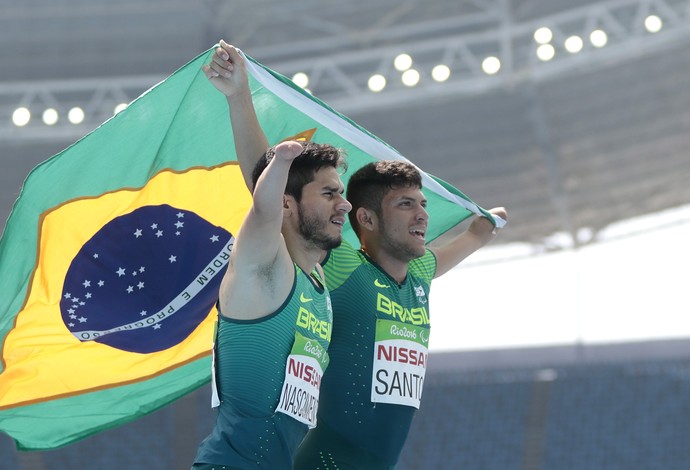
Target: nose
x=422 y=214
x=343 y=205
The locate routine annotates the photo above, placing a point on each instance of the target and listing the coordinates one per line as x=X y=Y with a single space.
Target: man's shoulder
x=423 y=267
x=340 y=263
x=343 y=252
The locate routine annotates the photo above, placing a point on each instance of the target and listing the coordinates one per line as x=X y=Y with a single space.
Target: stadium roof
x=569 y=145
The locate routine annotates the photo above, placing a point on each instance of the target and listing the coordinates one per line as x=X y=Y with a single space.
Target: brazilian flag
x=114 y=251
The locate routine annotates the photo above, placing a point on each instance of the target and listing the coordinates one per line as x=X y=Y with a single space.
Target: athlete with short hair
x=378 y=351
x=275 y=318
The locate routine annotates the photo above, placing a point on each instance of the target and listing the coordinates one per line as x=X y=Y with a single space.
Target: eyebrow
x=413 y=199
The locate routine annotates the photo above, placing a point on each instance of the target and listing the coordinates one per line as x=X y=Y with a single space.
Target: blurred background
x=565 y=344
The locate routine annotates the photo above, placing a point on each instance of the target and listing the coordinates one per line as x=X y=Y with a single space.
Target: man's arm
x=480 y=232
x=227 y=72
x=260 y=272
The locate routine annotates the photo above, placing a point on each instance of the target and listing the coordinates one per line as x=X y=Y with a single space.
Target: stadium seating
x=632 y=415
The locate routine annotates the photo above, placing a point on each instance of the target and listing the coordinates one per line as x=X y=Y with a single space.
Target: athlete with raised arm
x=275 y=318
x=379 y=348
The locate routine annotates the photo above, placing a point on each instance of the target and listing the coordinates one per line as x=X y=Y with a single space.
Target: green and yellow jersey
x=268 y=373
x=378 y=356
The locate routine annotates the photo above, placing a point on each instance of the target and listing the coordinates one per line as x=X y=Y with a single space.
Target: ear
x=288 y=204
x=366 y=219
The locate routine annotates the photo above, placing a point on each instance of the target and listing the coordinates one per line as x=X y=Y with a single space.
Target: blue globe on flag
x=146 y=280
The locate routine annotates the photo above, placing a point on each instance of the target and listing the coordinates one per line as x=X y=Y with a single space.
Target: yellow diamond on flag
x=125 y=285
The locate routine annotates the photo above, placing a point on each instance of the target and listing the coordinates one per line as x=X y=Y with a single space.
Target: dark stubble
x=313 y=229
x=402 y=251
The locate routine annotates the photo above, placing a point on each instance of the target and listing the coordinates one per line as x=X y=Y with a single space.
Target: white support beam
x=339 y=74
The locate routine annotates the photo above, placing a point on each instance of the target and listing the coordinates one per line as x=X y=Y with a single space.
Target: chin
x=331 y=243
x=418 y=251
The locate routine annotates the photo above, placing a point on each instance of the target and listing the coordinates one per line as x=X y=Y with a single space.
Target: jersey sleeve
x=339 y=264
x=424 y=267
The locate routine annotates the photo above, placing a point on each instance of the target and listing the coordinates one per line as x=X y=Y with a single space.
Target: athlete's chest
x=371 y=295
x=312 y=310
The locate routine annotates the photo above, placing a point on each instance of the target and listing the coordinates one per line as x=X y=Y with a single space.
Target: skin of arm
x=260 y=271
x=227 y=72
x=480 y=232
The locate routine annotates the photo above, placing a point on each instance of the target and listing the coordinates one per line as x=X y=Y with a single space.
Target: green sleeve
x=424 y=267
x=339 y=264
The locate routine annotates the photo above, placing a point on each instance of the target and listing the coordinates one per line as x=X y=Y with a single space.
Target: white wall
x=625 y=288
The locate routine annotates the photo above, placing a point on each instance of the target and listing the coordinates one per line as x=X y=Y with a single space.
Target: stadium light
x=546 y=52
x=377 y=83
x=440 y=73
x=21 y=117
x=50 y=117
x=598 y=38
x=301 y=79
x=76 y=115
x=410 y=77
x=491 y=65
x=402 y=62
x=543 y=35
x=120 y=107
x=574 y=44
x=653 y=24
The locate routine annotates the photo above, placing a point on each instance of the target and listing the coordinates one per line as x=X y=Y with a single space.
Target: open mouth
x=418 y=234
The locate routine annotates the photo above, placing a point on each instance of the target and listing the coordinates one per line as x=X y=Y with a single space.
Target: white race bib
x=400 y=358
x=303 y=371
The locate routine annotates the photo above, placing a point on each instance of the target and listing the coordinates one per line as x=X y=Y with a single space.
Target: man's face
x=322 y=210
x=403 y=223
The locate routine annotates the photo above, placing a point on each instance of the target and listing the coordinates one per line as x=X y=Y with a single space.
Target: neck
x=393 y=266
x=303 y=255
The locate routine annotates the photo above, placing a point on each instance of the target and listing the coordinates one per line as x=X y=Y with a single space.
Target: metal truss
x=341 y=79
x=340 y=63
x=98 y=99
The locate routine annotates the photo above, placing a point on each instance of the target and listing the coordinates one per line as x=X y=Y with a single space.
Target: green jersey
x=378 y=357
x=268 y=374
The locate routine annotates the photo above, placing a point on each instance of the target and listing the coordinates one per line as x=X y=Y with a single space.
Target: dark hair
x=368 y=185
x=313 y=158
